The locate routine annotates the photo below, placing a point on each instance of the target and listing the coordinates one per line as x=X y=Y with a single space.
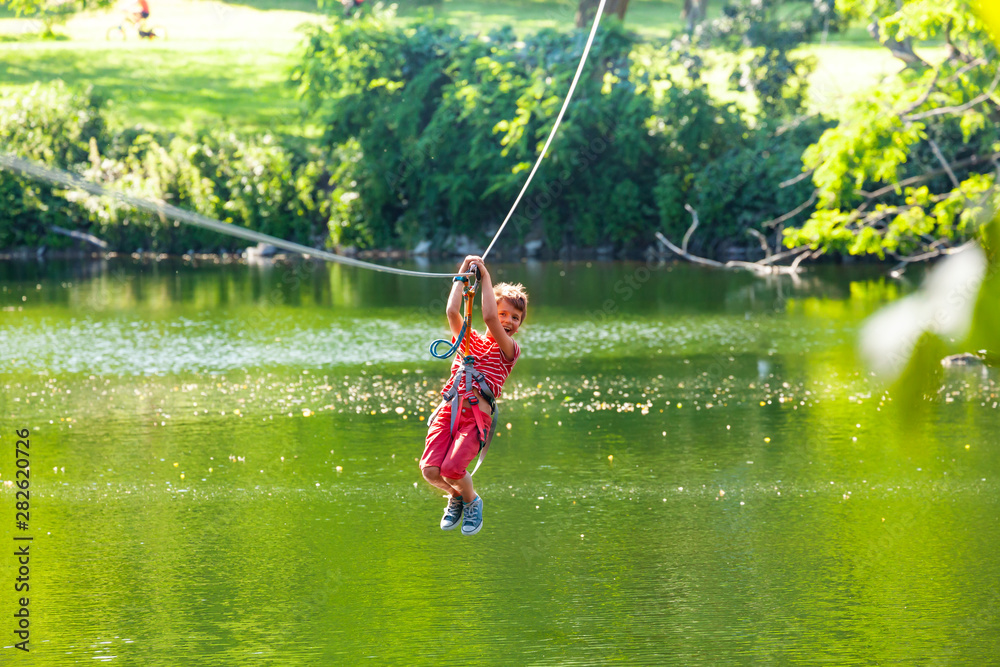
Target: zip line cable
x=196 y=219
x=552 y=134
x=165 y=210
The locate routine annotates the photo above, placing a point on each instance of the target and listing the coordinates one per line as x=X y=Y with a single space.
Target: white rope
x=166 y=210
x=541 y=156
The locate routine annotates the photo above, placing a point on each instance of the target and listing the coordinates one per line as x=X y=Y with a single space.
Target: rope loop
x=452 y=347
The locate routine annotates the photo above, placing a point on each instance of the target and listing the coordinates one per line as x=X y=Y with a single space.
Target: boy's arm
x=490 y=316
x=454 y=307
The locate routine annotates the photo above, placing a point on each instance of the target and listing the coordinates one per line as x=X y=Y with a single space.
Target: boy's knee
x=452 y=474
x=431 y=473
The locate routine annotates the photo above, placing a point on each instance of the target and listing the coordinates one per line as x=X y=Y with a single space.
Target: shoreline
x=269 y=254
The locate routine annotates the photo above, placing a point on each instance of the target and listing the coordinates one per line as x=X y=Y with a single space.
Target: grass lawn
x=228 y=62
x=171 y=84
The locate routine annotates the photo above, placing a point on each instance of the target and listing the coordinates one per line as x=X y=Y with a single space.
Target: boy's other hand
x=480 y=263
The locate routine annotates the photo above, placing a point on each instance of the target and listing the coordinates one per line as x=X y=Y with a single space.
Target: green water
x=693 y=467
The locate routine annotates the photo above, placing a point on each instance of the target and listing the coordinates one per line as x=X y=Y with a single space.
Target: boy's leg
x=463 y=487
x=462 y=451
x=453 y=469
x=436 y=449
x=433 y=476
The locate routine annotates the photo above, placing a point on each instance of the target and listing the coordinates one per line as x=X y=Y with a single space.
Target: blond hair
x=513 y=292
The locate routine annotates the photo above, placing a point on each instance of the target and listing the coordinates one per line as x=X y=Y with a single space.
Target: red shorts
x=453 y=455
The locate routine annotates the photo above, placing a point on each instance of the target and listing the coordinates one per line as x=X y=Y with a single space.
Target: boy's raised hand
x=480 y=263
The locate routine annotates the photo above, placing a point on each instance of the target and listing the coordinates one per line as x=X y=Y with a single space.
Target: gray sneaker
x=452 y=513
x=473 y=517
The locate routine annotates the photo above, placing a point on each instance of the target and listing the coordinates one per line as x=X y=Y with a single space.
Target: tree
x=588 y=8
x=957 y=310
x=910 y=170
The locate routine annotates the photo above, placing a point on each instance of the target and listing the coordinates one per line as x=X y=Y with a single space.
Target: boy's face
x=510 y=317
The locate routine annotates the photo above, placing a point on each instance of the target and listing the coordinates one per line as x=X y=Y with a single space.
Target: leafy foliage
x=972 y=302
x=742 y=189
x=41 y=7
x=910 y=167
x=446 y=125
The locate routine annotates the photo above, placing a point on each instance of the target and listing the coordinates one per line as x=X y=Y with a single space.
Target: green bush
x=443 y=128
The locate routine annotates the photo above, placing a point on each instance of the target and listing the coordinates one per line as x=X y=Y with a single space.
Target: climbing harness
x=467 y=369
x=453 y=397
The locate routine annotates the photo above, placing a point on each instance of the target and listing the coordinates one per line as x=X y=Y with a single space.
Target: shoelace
x=472 y=512
x=454 y=507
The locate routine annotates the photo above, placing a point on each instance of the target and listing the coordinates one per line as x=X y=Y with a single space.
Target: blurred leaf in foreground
x=943 y=308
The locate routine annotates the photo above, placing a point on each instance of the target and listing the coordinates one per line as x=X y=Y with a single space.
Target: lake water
x=693 y=467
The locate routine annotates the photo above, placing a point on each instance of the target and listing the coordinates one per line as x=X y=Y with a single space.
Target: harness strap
x=473 y=377
x=485 y=438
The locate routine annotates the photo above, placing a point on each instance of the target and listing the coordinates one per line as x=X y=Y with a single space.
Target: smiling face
x=510 y=316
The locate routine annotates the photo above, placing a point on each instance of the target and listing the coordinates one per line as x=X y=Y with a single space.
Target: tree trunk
x=900 y=49
x=588 y=8
x=694 y=11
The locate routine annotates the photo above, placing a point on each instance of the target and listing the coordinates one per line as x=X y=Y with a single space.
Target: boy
x=447 y=453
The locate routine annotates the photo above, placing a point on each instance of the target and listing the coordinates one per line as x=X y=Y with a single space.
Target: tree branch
x=923 y=257
x=944 y=163
x=960 y=108
x=794 y=212
x=810 y=255
x=801 y=177
x=80 y=236
x=690 y=231
x=972 y=65
x=686 y=255
x=913 y=180
x=782 y=255
x=764 y=266
x=900 y=49
x=923 y=98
